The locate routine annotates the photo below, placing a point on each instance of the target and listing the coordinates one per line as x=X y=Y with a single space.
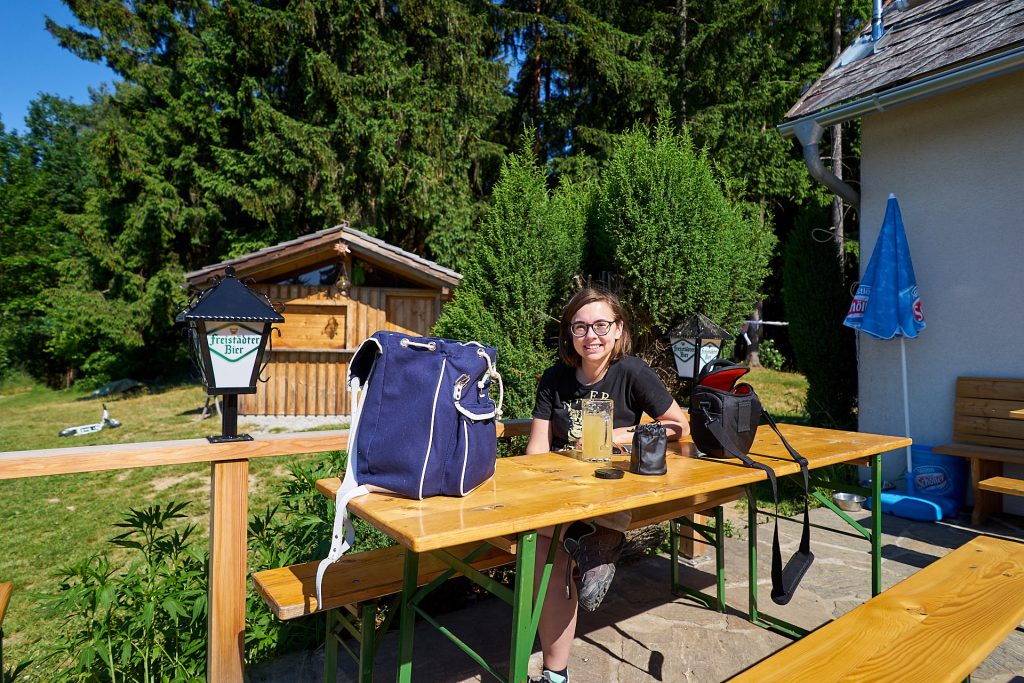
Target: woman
x=593 y=345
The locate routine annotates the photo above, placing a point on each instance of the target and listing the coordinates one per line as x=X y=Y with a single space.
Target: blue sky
x=34 y=63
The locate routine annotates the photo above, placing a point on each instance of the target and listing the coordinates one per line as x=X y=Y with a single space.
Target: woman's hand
x=622 y=435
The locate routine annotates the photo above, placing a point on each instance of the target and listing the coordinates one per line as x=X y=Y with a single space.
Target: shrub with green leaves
x=664 y=223
x=143 y=620
x=530 y=245
x=816 y=299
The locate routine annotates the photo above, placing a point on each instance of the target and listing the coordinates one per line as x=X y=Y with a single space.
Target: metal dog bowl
x=851 y=502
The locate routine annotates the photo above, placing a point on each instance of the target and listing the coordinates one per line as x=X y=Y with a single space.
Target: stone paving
x=641 y=633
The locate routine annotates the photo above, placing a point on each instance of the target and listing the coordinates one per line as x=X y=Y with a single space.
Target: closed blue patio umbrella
x=886 y=304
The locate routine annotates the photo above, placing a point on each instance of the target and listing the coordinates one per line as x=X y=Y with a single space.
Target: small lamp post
x=229 y=324
x=696 y=342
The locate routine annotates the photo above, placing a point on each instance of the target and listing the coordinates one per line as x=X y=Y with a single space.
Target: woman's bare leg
x=557 y=627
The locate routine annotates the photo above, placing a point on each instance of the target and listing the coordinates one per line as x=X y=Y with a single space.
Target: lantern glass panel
x=234 y=351
x=683 y=351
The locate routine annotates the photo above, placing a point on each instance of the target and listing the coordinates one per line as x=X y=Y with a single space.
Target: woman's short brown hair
x=588 y=295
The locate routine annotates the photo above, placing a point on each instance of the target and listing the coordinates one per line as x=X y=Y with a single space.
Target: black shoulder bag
x=724 y=416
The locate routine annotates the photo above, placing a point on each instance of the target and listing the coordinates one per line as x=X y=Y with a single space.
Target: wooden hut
x=339 y=286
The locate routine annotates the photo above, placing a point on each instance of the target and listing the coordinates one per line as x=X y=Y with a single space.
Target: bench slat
x=1004 y=388
x=937 y=625
x=993 y=431
x=971 y=450
x=1013 y=487
x=5 y=598
x=291 y=591
x=990 y=407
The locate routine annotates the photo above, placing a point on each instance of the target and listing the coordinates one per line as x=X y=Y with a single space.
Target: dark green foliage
x=587 y=72
x=744 y=65
x=238 y=125
x=817 y=298
x=43 y=174
x=531 y=243
x=665 y=225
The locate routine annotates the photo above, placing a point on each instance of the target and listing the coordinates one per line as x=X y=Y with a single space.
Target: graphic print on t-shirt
x=575 y=408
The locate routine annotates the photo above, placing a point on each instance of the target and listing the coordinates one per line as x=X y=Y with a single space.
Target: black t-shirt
x=630 y=382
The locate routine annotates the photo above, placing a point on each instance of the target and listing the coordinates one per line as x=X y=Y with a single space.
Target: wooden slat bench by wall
x=937 y=625
x=988 y=428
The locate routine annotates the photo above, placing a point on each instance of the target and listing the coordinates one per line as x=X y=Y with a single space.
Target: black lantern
x=229 y=324
x=696 y=342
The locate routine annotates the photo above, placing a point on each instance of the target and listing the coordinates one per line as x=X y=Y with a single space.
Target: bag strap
x=784 y=579
x=343 y=534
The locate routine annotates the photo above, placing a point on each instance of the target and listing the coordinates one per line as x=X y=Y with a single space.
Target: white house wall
x=956 y=164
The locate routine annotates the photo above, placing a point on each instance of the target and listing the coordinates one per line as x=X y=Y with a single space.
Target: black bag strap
x=784 y=579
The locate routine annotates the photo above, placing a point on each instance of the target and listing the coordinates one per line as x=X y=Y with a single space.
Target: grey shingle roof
x=930 y=38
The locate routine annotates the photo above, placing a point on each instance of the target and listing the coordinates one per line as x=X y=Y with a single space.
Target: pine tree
x=817 y=300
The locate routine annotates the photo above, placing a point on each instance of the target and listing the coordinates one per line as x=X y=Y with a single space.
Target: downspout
x=877 y=27
x=808 y=132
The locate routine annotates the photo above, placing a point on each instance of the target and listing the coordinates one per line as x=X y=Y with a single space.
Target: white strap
x=493 y=372
x=344 y=533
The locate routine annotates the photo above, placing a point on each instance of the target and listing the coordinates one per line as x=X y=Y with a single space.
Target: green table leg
x=715 y=536
x=407 y=616
x=331 y=649
x=876 y=524
x=523 y=631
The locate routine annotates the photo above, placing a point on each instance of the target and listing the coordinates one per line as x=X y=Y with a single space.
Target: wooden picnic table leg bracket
x=229 y=512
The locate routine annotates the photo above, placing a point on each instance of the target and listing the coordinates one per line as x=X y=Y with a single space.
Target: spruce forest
x=237 y=124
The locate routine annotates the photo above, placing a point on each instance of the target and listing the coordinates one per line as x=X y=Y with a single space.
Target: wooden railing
x=229 y=510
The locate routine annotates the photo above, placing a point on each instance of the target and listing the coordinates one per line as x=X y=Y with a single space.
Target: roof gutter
x=808 y=129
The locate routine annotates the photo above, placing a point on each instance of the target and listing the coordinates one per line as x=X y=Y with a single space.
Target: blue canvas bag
x=423 y=423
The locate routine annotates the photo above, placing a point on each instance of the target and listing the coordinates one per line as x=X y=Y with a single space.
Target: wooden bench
x=356 y=583
x=5 y=598
x=937 y=625
x=988 y=428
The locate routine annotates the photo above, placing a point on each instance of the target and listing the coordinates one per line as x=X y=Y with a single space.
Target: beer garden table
x=531 y=492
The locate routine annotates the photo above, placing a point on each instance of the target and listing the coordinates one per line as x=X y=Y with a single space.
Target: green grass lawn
x=49 y=522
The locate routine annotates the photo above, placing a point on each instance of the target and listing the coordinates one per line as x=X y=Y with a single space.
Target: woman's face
x=593 y=348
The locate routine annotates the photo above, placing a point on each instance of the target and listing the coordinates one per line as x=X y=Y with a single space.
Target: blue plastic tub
x=941 y=479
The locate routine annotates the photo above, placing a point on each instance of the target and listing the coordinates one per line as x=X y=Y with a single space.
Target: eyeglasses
x=600 y=328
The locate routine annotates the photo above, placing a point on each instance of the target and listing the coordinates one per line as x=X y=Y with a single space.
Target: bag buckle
x=460 y=384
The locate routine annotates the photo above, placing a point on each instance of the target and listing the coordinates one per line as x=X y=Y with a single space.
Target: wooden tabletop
x=535 y=491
